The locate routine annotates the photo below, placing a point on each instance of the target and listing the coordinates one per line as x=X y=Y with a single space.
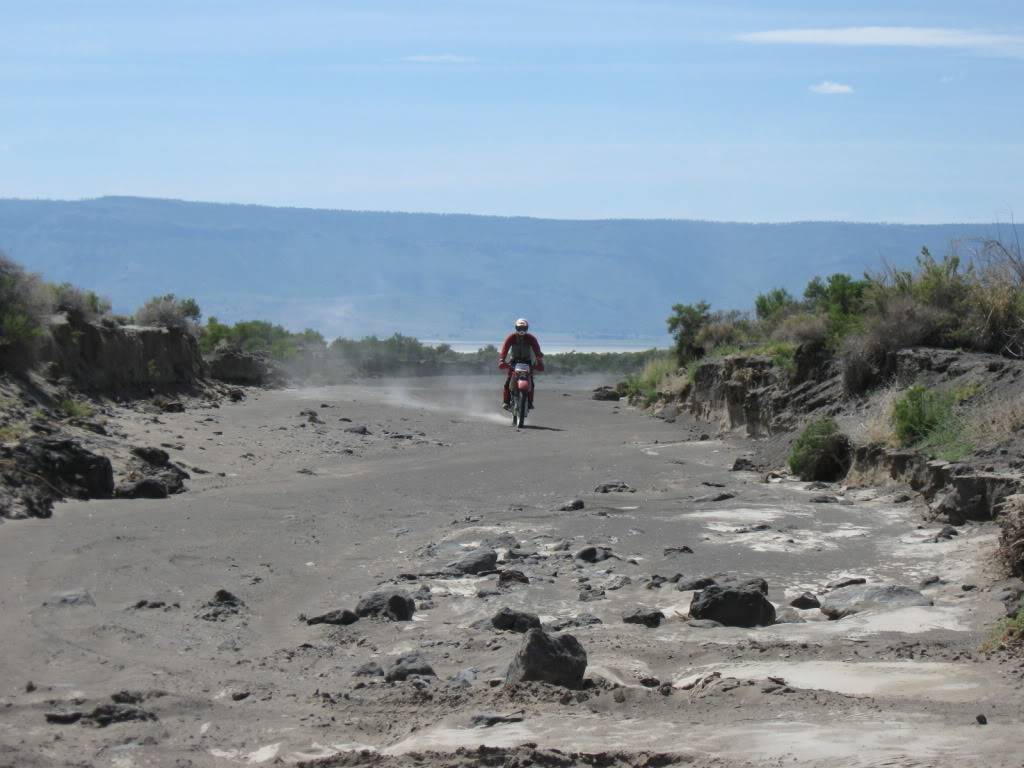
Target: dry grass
x=995 y=422
x=877 y=425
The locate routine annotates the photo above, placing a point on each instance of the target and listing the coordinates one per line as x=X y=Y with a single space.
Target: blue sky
x=753 y=111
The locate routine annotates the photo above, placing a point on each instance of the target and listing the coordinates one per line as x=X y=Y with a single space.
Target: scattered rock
x=388 y=604
x=108 y=714
x=369 y=669
x=645 y=616
x=558 y=660
x=339 y=617
x=742 y=605
x=704 y=624
x=847 y=601
x=789 y=616
x=616 y=582
x=588 y=594
x=845 y=582
x=616 y=486
x=582 y=620
x=409 y=664
x=145 y=488
x=981 y=720
x=606 y=393
x=682 y=550
x=823 y=499
x=755 y=528
x=223 y=606
x=743 y=464
x=805 y=601
x=360 y=430
x=63 y=718
x=699 y=582
x=510 y=577
x=172 y=406
x=592 y=554
x=515 y=621
x=572 y=506
x=483 y=560
x=714 y=498
x=490 y=719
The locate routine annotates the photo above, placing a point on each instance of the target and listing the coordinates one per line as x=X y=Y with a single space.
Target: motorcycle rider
x=521 y=346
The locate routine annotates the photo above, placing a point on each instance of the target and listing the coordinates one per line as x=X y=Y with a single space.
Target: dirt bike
x=519 y=387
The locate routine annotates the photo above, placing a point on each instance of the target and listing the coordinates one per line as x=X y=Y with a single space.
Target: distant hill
x=437 y=276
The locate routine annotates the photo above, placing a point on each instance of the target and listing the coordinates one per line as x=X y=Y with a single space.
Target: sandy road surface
x=298 y=518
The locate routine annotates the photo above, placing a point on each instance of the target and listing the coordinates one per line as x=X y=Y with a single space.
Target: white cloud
x=906 y=37
x=828 y=88
x=440 y=58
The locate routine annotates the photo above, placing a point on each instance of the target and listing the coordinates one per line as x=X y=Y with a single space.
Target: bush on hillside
x=802 y=328
x=684 y=324
x=821 y=452
x=168 y=311
x=82 y=305
x=25 y=306
x=724 y=329
x=774 y=304
x=928 y=420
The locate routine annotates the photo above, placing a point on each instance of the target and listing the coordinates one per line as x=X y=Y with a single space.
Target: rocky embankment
x=63 y=434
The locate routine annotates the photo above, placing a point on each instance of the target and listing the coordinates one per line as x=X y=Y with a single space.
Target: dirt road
x=296 y=515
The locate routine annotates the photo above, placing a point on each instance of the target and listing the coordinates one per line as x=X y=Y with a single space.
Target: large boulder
x=847 y=601
x=408 y=665
x=742 y=605
x=392 y=604
x=483 y=560
x=41 y=470
x=555 y=659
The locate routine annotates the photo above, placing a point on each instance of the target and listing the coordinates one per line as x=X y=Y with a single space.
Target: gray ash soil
x=119 y=651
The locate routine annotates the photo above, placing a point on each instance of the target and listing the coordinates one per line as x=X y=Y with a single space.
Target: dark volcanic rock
x=606 y=393
x=572 y=506
x=390 y=604
x=699 y=582
x=616 y=486
x=558 y=660
x=234 y=366
x=360 y=430
x=805 y=601
x=583 y=620
x=512 y=577
x=645 y=616
x=589 y=594
x=592 y=554
x=680 y=550
x=409 y=664
x=41 y=470
x=369 y=669
x=340 y=617
x=515 y=621
x=743 y=464
x=108 y=714
x=714 y=498
x=845 y=582
x=855 y=599
x=155 y=456
x=223 y=606
x=145 y=488
x=483 y=560
x=734 y=606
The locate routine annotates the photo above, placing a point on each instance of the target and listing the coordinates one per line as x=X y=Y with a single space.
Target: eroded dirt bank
x=118 y=650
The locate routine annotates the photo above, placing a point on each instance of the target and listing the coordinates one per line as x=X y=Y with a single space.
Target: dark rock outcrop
x=646 y=616
x=408 y=665
x=734 y=605
x=390 y=604
x=483 y=560
x=234 y=366
x=555 y=659
x=338 y=617
x=41 y=470
x=115 y=360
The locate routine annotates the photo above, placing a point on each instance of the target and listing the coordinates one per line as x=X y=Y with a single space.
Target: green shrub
x=684 y=324
x=74 y=409
x=647 y=383
x=168 y=311
x=25 y=306
x=927 y=419
x=84 y=305
x=821 y=452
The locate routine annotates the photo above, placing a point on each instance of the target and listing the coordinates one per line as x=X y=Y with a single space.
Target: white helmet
x=522 y=325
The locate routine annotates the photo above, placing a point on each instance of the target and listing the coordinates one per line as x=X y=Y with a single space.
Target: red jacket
x=521 y=347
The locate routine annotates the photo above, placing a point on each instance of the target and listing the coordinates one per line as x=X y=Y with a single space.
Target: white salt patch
x=743 y=514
